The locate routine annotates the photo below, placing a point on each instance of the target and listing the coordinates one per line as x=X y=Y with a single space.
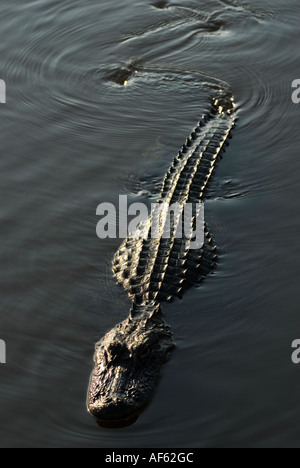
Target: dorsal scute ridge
x=157 y=268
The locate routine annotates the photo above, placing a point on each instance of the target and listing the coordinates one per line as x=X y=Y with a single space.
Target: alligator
x=129 y=359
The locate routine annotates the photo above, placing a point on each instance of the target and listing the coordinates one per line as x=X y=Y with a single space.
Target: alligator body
x=129 y=359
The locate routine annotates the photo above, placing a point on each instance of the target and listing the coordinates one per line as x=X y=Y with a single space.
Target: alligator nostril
x=115 y=414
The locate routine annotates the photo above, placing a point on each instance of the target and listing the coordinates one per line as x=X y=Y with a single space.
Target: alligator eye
x=145 y=352
x=115 y=349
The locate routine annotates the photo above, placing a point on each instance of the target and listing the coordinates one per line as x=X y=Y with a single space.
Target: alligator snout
x=114 y=414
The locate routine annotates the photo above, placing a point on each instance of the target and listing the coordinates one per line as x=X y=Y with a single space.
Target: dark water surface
x=71 y=138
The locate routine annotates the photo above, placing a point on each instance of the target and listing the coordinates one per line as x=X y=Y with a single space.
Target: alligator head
x=128 y=363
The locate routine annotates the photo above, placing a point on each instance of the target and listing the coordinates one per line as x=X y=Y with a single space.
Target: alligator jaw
x=117 y=424
x=114 y=416
x=118 y=403
x=114 y=413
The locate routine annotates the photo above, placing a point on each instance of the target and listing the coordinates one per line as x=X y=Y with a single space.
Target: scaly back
x=158 y=269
